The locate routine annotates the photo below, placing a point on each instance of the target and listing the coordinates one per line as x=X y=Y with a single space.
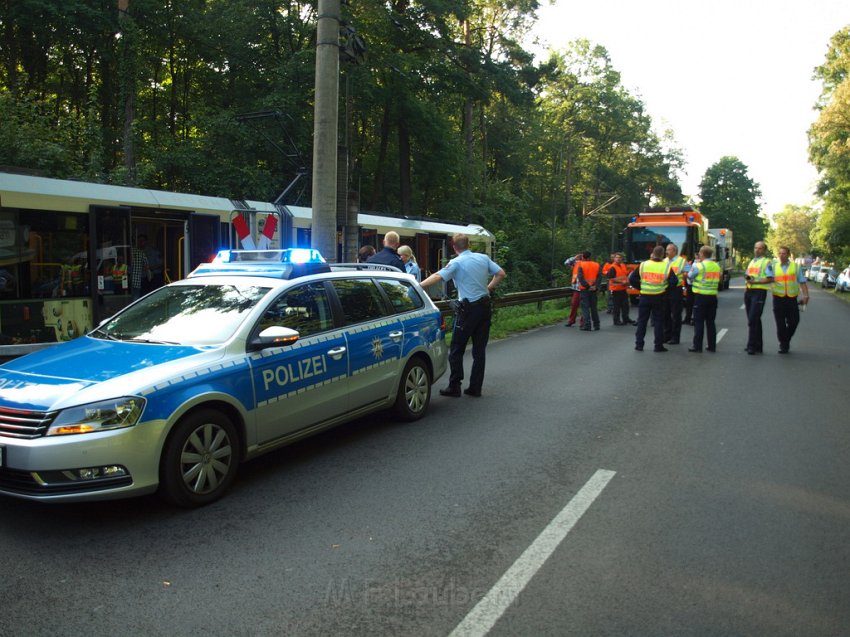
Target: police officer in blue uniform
x=389 y=254
x=470 y=272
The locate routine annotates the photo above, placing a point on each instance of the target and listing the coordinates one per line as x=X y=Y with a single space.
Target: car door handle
x=336 y=353
x=396 y=335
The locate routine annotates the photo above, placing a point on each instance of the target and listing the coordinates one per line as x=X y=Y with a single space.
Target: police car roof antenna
x=293 y=156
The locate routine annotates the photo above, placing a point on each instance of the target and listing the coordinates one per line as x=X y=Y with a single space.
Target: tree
x=829 y=150
x=792 y=228
x=730 y=199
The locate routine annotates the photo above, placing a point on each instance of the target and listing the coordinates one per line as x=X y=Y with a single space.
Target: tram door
x=110 y=260
x=163 y=240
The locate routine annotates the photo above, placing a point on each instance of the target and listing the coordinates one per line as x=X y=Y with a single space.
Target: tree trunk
x=404 y=165
x=127 y=75
x=378 y=185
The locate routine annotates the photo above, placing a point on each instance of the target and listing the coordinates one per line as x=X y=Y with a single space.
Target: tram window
x=52 y=249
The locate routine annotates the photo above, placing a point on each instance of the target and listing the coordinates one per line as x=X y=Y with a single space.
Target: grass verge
x=521 y=318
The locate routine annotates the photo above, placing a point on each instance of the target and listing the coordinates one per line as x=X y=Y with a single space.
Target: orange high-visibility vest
x=590 y=270
x=621 y=271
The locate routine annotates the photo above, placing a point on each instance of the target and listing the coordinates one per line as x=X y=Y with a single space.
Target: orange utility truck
x=683 y=226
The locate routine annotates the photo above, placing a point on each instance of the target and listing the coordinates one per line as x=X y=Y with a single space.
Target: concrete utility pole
x=325 y=133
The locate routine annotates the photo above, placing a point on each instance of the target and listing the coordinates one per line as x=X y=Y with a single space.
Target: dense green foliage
x=730 y=199
x=446 y=115
x=792 y=228
x=829 y=150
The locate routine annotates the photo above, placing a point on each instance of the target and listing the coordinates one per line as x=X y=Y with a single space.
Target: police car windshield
x=195 y=315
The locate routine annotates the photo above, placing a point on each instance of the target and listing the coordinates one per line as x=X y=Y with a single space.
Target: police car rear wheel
x=200 y=459
x=414 y=392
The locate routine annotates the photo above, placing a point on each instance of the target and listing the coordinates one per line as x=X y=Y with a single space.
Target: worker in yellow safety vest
x=673 y=306
x=788 y=281
x=705 y=279
x=119 y=275
x=654 y=276
x=759 y=279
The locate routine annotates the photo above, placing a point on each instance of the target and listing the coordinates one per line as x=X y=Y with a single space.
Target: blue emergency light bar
x=291 y=255
x=279 y=264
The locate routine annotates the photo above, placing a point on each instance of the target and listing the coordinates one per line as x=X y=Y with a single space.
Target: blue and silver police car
x=251 y=352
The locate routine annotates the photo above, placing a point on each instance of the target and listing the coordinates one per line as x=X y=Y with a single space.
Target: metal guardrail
x=518 y=298
x=515 y=298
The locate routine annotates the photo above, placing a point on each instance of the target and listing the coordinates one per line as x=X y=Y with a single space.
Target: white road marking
x=721 y=334
x=743 y=307
x=487 y=612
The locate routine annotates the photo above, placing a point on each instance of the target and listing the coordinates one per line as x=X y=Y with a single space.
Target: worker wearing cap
x=575 y=300
x=759 y=279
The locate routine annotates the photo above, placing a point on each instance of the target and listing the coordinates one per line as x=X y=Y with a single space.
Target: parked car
x=251 y=352
x=812 y=274
x=828 y=276
x=842 y=283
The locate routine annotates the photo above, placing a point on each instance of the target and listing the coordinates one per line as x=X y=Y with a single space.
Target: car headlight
x=101 y=416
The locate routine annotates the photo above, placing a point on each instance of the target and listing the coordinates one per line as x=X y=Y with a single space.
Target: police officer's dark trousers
x=650 y=304
x=754 y=303
x=705 y=311
x=787 y=315
x=473 y=322
x=621 y=307
x=589 y=311
x=673 y=319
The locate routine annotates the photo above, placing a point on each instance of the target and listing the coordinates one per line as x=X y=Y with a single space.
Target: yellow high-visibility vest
x=653 y=276
x=785 y=283
x=707 y=280
x=677 y=264
x=758 y=270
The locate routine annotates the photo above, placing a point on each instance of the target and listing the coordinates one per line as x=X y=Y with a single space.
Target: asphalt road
x=593 y=490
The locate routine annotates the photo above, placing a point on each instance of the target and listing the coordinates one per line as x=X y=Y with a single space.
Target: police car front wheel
x=200 y=459
x=414 y=392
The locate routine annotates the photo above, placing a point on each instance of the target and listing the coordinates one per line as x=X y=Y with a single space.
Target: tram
x=66 y=247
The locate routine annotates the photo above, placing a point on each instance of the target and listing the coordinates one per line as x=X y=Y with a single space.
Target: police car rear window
x=360 y=299
x=305 y=309
x=403 y=296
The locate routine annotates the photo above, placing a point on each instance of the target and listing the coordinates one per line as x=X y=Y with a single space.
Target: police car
x=251 y=352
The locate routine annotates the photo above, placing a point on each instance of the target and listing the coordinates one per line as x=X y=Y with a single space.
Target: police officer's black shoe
x=695 y=349
x=451 y=390
x=472 y=392
x=660 y=349
x=639 y=348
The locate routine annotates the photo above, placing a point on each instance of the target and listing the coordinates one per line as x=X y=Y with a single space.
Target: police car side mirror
x=275 y=336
